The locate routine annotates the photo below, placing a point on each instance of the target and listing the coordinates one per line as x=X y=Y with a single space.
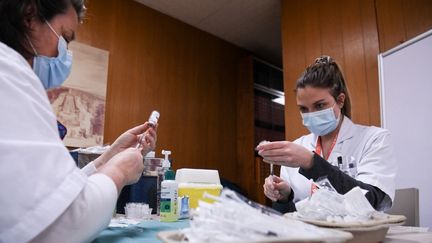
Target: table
x=406 y=234
x=146 y=231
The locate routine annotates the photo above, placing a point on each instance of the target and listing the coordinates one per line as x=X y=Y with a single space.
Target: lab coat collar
x=346 y=132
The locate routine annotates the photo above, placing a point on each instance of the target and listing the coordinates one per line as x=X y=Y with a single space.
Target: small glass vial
x=153 y=119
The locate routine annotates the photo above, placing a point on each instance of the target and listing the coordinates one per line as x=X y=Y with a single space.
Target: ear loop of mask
x=31 y=44
x=52 y=29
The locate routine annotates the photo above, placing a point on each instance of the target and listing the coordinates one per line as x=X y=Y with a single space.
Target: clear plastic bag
x=328 y=205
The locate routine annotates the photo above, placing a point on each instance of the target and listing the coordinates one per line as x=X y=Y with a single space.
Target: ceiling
x=251 y=24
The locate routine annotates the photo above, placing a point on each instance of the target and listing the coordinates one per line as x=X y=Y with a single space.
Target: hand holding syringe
x=152 y=121
x=275 y=188
x=284 y=153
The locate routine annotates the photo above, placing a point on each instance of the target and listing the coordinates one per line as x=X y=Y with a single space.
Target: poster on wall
x=79 y=103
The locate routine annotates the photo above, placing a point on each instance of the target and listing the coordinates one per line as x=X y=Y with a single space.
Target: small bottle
x=153 y=119
x=183 y=207
x=168 y=200
x=165 y=166
x=169 y=193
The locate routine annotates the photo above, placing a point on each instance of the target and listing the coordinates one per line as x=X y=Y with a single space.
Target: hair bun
x=324 y=60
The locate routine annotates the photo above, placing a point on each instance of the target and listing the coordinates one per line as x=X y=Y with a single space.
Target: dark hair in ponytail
x=325 y=73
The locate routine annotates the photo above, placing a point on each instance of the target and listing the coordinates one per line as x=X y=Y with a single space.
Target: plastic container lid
x=197 y=176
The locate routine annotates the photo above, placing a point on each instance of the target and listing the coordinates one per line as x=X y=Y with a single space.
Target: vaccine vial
x=154 y=117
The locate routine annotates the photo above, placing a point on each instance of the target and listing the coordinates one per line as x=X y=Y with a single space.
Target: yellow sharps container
x=194 y=182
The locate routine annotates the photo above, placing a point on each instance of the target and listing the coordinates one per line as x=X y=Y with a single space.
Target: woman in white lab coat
x=347 y=154
x=44 y=197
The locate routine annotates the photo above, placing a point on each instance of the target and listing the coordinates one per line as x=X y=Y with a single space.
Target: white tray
x=386 y=220
x=373 y=230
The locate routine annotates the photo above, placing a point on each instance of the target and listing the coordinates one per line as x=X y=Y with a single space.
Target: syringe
x=271 y=164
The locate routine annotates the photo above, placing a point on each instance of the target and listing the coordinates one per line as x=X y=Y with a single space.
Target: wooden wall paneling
x=294 y=62
x=354 y=59
x=127 y=92
x=312 y=16
x=246 y=164
x=417 y=16
x=222 y=141
x=191 y=77
x=330 y=25
x=401 y=20
x=97 y=25
x=371 y=50
x=390 y=23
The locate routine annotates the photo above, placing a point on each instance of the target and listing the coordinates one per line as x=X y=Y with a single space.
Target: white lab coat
x=39 y=181
x=368 y=146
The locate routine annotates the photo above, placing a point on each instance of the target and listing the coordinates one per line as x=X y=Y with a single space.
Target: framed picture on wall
x=80 y=102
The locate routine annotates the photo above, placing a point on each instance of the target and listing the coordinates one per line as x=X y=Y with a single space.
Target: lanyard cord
x=319 y=149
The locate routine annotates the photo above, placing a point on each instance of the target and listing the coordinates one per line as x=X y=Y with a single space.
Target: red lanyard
x=319 y=147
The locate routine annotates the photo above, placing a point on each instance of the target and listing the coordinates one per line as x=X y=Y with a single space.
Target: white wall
x=406 y=110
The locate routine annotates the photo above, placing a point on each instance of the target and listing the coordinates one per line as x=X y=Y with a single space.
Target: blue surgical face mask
x=321 y=122
x=53 y=71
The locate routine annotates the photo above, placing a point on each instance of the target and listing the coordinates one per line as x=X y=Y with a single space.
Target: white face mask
x=321 y=122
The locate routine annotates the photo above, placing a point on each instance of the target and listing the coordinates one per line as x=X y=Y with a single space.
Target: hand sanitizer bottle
x=169 y=193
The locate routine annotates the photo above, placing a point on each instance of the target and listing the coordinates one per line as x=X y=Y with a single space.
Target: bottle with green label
x=169 y=194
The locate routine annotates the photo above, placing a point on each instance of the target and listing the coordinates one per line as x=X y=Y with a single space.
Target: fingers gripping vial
x=153 y=120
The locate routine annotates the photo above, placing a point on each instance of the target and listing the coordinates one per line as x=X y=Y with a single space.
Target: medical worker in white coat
x=44 y=197
x=347 y=154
